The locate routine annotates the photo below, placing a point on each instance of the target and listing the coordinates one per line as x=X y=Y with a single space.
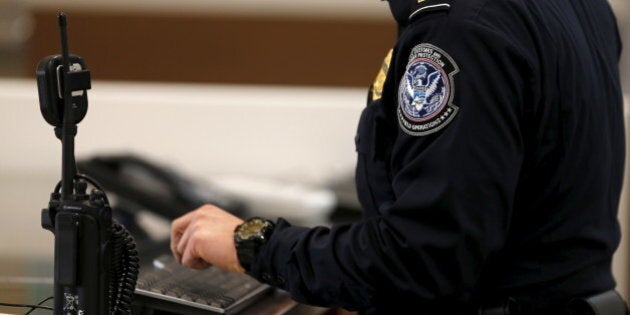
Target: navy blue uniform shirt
x=490 y=162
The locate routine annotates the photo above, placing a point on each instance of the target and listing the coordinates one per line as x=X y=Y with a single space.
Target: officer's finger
x=175 y=238
x=187 y=257
x=184 y=242
x=182 y=222
x=178 y=226
x=190 y=257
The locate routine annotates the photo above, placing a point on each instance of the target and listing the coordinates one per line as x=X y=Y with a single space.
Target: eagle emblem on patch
x=425 y=93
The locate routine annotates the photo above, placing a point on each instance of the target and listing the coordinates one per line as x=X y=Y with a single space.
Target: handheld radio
x=96 y=263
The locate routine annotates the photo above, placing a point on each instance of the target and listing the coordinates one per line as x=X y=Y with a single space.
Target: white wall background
x=293 y=134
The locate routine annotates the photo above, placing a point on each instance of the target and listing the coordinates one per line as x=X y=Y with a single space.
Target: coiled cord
x=125 y=263
x=124 y=270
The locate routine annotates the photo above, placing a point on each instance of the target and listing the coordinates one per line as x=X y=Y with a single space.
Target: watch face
x=251 y=228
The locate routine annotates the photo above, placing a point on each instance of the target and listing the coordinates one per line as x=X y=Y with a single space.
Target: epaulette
x=376 y=90
x=424 y=6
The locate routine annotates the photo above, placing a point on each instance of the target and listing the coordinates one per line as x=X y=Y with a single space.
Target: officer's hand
x=205 y=237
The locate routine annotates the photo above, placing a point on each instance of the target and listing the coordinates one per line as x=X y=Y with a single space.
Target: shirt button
x=279 y=280
x=266 y=277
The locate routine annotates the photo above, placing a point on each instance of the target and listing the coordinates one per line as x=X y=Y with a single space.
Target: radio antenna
x=68 y=128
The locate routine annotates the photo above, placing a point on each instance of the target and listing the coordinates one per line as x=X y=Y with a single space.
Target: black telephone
x=140 y=184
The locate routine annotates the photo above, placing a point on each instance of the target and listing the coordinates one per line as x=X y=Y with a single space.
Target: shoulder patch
x=426 y=90
x=423 y=6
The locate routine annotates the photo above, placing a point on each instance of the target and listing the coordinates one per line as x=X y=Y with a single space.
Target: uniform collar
x=405 y=10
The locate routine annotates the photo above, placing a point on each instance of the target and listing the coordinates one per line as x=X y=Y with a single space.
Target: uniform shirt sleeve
x=453 y=189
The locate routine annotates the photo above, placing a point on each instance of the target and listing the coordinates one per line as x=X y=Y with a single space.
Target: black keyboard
x=171 y=286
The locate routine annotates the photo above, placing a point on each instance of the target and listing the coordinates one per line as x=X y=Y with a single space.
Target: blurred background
x=325 y=43
x=256 y=99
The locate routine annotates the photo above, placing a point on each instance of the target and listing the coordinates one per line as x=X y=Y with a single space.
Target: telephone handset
x=156 y=188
